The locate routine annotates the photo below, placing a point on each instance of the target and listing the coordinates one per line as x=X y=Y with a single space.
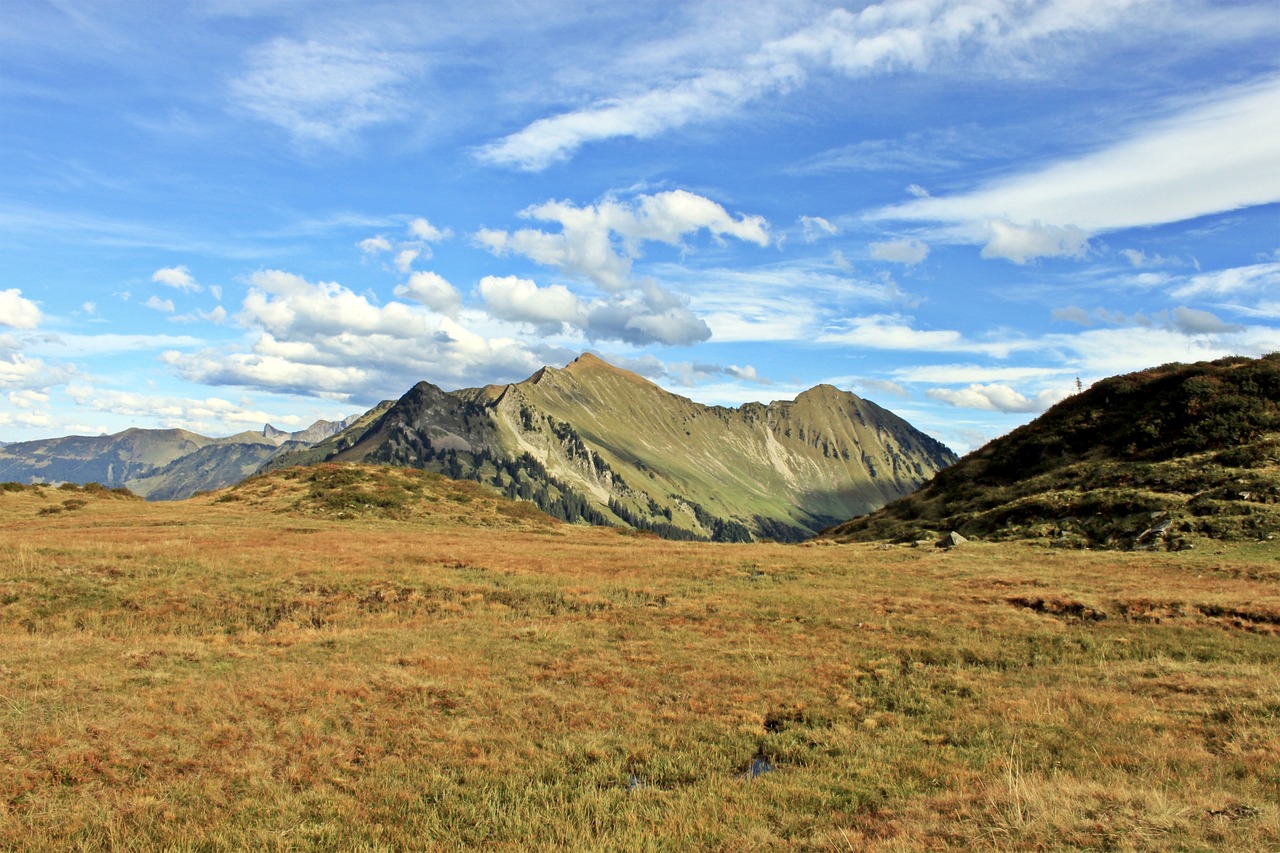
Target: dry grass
x=220 y=675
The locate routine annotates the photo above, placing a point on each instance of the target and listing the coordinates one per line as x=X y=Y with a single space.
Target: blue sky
x=217 y=214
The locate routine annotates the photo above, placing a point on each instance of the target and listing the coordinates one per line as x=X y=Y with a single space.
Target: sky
x=217 y=214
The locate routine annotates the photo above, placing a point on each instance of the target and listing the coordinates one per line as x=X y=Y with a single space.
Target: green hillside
x=1152 y=459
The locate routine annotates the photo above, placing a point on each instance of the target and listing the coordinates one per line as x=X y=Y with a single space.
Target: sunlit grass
x=225 y=675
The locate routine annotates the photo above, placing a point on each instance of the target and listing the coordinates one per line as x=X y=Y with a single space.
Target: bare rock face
x=596 y=443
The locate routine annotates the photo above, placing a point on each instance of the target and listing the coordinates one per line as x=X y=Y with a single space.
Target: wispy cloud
x=323 y=91
x=881 y=38
x=1216 y=157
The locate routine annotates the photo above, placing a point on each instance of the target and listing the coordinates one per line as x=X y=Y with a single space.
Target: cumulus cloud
x=323 y=92
x=18 y=372
x=375 y=245
x=421 y=229
x=996 y=397
x=881 y=38
x=320 y=339
x=157 y=304
x=519 y=300
x=652 y=315
x=599 y=242
x=420 y=235
x=288 y=306
x=907 y=251
x=17 y=312
x=433 y=291
x=178 y=277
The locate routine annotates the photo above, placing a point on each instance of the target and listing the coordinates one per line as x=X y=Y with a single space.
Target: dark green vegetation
x=1154 y=459
x=597 y=444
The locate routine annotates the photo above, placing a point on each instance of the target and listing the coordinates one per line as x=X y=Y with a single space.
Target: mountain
x=157 y=464
x=1153 y=459
x=596 y=443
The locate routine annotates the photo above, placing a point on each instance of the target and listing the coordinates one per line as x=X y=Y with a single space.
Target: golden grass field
x=255 y=672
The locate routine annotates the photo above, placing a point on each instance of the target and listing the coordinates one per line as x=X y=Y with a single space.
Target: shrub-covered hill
x=1149 y=459
x=347 y=491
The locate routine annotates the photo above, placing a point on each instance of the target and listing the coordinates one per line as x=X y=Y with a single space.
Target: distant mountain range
x=166 y=464
x=1154 y=459
x=596 y=443
x=589 y=442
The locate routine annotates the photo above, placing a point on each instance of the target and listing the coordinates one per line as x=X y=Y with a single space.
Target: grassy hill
x=264 y=669
x=1158 y=458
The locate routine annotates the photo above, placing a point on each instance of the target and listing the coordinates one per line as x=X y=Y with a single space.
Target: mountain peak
x=589 y=362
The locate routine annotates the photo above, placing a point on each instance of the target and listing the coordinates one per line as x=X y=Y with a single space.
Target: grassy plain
x=258 y=673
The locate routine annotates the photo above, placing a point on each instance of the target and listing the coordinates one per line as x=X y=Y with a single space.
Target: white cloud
x=1021 y=244
x=157 y=304
x=217 y=316
x=893 y=332
x=652 y=315
x=906 y=251
x=433 y=291
x=599 y=242
x=954 y=374
x=421 y=229
x=880 y=38
x=17 y=312
x=185 y=412
x=815 y=227
x=19 y=372
x=1230 y=281
x=405 y=258
x=997 y=397
x=519 y=300
x=288 y=306
x=179 y=277
x=320 y=339
x=322 y=92
x=375 y=245
x=1218 y=156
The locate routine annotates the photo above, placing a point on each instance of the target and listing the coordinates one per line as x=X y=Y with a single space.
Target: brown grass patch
x=209 y=674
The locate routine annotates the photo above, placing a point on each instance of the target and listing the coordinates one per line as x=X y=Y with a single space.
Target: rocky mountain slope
x=596 y=443
x=1154 y=459
x=157 y=464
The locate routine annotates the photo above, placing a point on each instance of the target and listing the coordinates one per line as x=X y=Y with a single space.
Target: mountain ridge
x=591 y=441
x=160 y=464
